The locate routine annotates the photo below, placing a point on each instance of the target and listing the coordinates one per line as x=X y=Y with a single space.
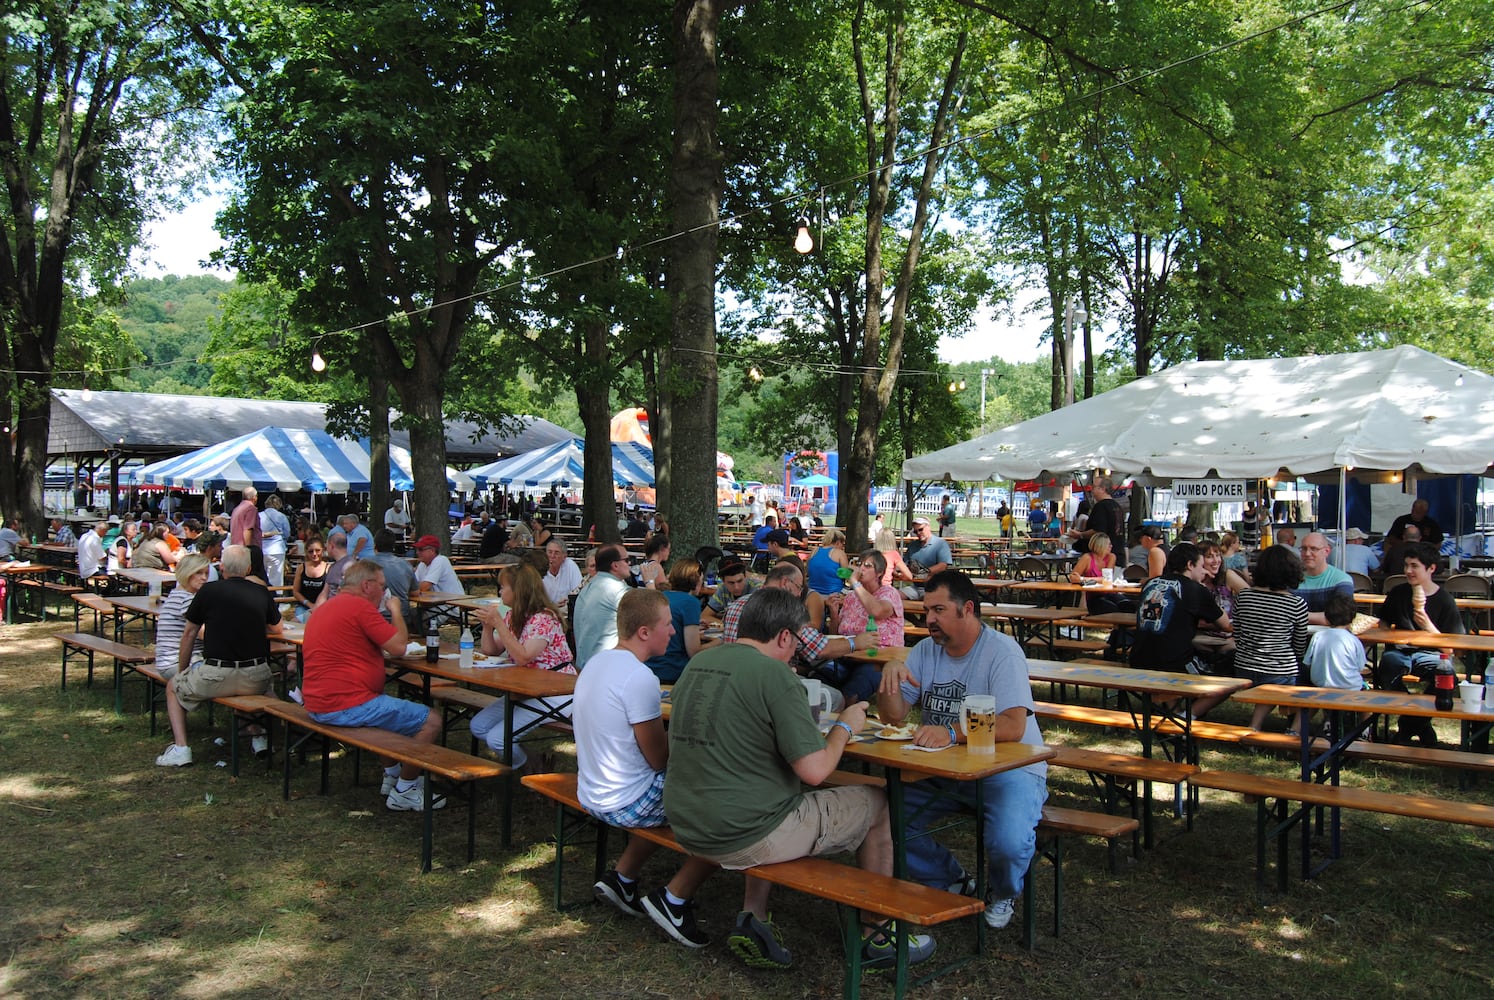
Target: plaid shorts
x=646 y=810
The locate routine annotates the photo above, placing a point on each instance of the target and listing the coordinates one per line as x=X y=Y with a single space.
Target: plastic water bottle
x=871 y=630
x=432 y=641
x=467 y=648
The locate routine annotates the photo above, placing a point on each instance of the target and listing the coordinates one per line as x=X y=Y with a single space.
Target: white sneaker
x=999 y=913
x=412 y=799
x=260 y=745
x=387 y=785
x=175 y=756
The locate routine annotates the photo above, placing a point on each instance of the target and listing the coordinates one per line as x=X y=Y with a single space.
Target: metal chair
x=1362 y=583
x=1392 y=582
x=1467 y=585
x=1134 y=573
x=1030 y=568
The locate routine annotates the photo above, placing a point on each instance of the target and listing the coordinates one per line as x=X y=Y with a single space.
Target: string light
x=318 y=363
x=803 y=239
x=955 y=387
x=87 y=393
x=755 y=373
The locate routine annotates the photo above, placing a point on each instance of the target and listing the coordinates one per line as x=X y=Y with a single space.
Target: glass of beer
x=978 y=715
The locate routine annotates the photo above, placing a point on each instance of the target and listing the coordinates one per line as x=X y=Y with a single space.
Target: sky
x=181 y=242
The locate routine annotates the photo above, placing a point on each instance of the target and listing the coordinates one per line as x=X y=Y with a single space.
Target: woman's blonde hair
x=190 y=565
x=1099 y=543
x=832 y=536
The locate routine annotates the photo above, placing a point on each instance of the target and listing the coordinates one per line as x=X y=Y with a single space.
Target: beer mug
x=978 y=717
x=820 y=696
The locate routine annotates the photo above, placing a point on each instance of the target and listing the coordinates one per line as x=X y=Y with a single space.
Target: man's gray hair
x=768 y=612
x=250 y=493
x=236 y=561
x=346 y=519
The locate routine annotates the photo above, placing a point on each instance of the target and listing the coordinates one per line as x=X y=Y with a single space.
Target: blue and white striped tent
x=285 y=458
x=562 y=464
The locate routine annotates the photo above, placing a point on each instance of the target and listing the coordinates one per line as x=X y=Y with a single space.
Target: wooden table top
x=1428 y=640
x=1112 y=619
x=1068 y=587
x=525 y=682
x=955 y=762
x=1465 y=603
x=1025 y=612
x=1345 y=699
x=1142 y=681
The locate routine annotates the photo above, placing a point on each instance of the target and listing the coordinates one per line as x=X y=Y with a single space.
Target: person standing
x=244 y=529
x=947 y=514
x=964 y=656
x=238 y=615
x=1105 y=515
x=275 y=532
x=395 y=518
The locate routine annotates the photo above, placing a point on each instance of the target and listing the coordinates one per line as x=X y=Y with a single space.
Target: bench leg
x=427 y=824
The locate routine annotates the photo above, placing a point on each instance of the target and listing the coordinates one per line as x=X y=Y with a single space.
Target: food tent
x=283 y=458
x=562 y=464
x=1401 y=410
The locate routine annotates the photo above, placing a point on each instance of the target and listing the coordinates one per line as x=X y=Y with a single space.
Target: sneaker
x=387 y=785
x=175 y=756
x=260 y=745
x=622 y=895
x=758 y=943
x=413 y=798
x=676 y=921
x=880 y=951
x=964 y=885
x=999 y=913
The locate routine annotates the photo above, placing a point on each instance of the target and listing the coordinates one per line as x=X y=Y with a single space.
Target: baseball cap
x=921 y=520
x=1355 y=535
x=778 y=535
x=427 y=542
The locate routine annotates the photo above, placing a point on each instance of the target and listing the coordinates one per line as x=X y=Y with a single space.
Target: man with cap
x=926 y=553
x=434 y=572
x=1359 y=557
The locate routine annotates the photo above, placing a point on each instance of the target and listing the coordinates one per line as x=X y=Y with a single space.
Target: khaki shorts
x=204 y=682
x=827 y=821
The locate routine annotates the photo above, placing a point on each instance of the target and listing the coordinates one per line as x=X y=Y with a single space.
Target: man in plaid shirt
x=815 y=647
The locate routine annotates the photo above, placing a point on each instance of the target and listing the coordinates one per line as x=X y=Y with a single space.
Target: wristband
x=850 y=733
x=954 y=737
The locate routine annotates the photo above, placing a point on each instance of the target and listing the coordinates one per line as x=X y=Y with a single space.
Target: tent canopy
x=1392 y=410
x=813 y=482
x=563 y=464
x=282 y=458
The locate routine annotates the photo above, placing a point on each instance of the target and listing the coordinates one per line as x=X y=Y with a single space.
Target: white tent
x=1394 y=410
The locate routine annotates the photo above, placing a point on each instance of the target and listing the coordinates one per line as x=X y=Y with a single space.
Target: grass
x=126 y=880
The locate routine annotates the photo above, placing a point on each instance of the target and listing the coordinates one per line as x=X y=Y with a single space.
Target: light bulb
x=1459 y=380
x=87 y=394
x=803 y=240
x=318 y=363
x=755 y=374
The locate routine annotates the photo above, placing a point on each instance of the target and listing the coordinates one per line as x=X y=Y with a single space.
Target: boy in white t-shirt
x=621 y=752
x=1335 y=655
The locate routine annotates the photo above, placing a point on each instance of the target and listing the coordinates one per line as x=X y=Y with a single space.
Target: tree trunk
x=378 y=448
x=696 y=183
x=593 y=400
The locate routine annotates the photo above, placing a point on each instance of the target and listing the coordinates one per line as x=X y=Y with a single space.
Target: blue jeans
x=1013 y=802
x=1396 y=663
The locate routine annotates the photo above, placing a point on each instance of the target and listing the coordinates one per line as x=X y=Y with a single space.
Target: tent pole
x=1343 y=507
x=1458 y=535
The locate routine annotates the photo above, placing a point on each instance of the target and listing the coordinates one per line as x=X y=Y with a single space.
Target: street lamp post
x=985 y=373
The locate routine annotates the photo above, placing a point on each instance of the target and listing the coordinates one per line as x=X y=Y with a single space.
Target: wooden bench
x=462 y=770
x=1117 y=775
x=102 y=610
x=1057 y=822
x=43 y=589
x=125 y=657
x=850 y=888
x=1312 y=795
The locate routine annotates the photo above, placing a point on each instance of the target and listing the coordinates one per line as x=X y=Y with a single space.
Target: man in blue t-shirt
x=926 y=552
x=1320 y=581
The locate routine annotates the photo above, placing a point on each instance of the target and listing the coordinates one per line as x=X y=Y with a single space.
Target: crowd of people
x=735 y=794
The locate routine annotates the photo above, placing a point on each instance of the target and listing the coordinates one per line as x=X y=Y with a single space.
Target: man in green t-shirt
x=741 y=740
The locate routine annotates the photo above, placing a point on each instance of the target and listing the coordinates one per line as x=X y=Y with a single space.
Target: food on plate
x=903 y=732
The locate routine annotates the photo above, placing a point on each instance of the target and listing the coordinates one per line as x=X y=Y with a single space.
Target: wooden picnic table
x=514 y=683
x=1350 y=714
x=1165 y=698
x=956 y=764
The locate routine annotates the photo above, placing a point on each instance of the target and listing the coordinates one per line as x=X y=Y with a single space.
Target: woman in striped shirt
x=1271 y=625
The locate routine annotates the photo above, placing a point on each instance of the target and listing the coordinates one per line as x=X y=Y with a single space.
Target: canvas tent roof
x=1396 y=409
x=562 y=464
x=278 y=458
x=144 y=423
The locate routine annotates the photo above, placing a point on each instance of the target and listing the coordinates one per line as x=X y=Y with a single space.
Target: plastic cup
x=1472 y=696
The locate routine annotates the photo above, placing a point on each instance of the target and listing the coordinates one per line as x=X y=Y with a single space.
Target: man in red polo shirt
x=344 y=679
